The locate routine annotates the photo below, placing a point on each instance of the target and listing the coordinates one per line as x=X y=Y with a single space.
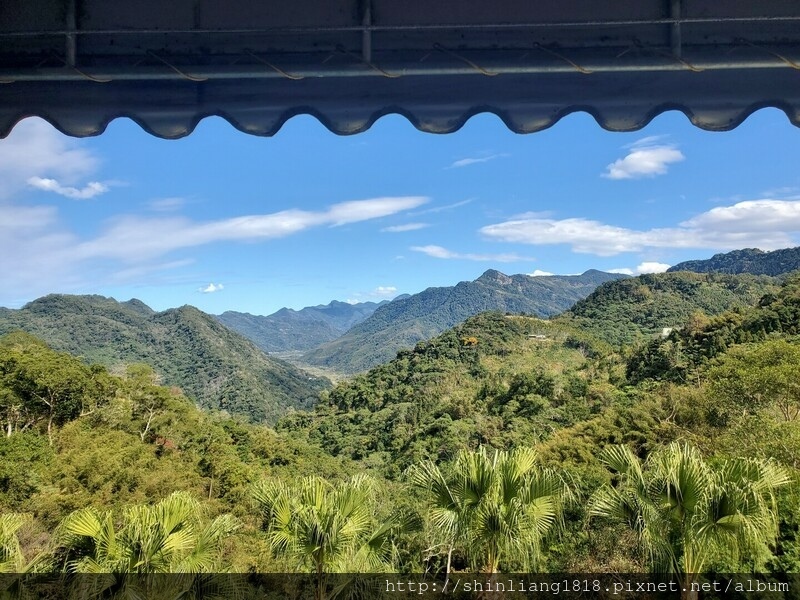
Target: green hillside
x=620 y=312
x=189 y=349
x=703 y=339
x=295 y=330
x=404 y=322
x=495 y=379
x=748 y=260
x=546 y=449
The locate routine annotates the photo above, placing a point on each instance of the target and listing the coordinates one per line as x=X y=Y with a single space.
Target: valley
x=573 y=386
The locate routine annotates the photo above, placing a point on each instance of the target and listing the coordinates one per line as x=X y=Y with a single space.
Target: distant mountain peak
x=289 y=330
x=494 y=276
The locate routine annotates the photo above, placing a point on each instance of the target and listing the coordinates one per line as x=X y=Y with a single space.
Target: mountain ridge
x=747 y=260
x=404 y=322
x=290 y=330
x=213 y=365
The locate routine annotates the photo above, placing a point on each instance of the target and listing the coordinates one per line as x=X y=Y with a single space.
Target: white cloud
x=540 y=273
x=646 y=158
x=35 y=252
x=465 y=162
x=38 y=254
x=751 y=215
x=383 y=291
x=35 y=148
x=405 y=227
x=766 y=224
x=211 y=288
x=651 y=267
x=90 y=190
x=373 y=208
x=643 y=268
x=444 y=253
x=134 y=238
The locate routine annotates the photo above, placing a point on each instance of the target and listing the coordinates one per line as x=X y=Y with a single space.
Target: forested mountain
x=621 y=311
x=303 y=329
x=748 y=260
x=704 y=338
x=404 y=322
x=119 y=441
x=565 y=442
x=496 y=378
x=189 y=349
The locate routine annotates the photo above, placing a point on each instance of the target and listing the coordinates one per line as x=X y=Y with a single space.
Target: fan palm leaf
x=497 y=505
x=686 y=513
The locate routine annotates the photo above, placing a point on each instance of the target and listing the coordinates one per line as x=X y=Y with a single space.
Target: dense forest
x=589 y=443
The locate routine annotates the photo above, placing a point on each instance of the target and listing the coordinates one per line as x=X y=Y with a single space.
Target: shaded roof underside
x=81 y=63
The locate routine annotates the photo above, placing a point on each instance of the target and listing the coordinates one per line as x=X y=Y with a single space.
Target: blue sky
x=227 y=221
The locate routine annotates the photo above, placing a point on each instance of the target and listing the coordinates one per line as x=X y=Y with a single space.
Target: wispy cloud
x=35 y=149
x=373 y=208
x=405 y=227
x=90 y=190
x=444 y=253
x=211 y=288
x=647 y=157
x=133 y=238
x=642 y=269
x=767 y=224
x=135 y=272
x=382 y=292
x=465 y=162
x=437 y=209
x=39 y=254
x=166 y=204
x=786 y=192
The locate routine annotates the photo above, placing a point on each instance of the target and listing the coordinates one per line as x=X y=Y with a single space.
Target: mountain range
x=216 y=367
x=404 y=322
x=304 y=329
x=747 y=260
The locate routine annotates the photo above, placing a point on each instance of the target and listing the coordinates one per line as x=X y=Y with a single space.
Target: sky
x=227 y=221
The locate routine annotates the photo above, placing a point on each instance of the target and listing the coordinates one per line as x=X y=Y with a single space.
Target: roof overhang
x=82 y=63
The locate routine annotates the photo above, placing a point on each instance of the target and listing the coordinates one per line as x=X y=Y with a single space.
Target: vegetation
x=749 y=260
x=630 y=310
x=326 y=529
x=188 y=349
x=506 y=443
x=686 y=513
x=497 y=507
x=404 y=322
x=167 y=537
